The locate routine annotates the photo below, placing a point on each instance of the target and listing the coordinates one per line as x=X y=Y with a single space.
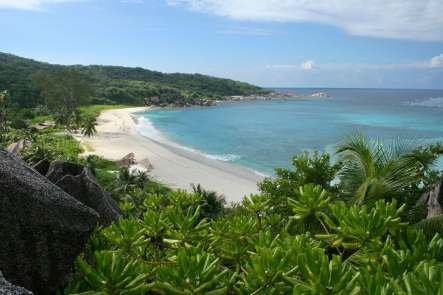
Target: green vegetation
x=94 y=110
x=88 y=127
x=64 y=93
x=4 y=100
x=109 y=84
x=349 y=227
x=51 y=146
x=304 y=234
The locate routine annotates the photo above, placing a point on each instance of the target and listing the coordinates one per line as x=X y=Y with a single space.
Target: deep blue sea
x=262 y=135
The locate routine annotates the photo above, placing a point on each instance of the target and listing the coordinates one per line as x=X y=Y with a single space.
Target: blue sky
x=273 y=43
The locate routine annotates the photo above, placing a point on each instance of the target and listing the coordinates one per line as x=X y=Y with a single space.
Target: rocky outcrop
x=145 y=163
x=79 y=181
x=43 y=125
x=42 y=166
x=42 y=228
x=6 y=288
x=59 y=169
x=127 y=160
x=433 y=200
x=319 y=94
x=18 y=146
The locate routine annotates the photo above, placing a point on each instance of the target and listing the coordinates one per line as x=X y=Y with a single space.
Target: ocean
x=262 y=135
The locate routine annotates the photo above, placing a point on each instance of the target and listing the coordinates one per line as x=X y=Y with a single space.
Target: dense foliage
x=304 y=234
x=113 y=84
x=323 y=227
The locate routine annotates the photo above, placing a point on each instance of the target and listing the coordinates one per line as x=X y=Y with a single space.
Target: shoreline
x=117 y=136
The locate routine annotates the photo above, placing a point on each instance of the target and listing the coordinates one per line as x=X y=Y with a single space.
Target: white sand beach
x=179 y=168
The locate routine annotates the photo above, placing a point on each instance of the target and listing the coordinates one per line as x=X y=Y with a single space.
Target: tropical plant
x=192 y=271
x=187 y=228
x=320 y=274
x=309 y=168
x=126 y=235
x=113 y=274
x=319 y=240
x=373 y=169
x=212 y=204
x=358 y=227
x=88 y=127
x=309 y=207
x=265 y=273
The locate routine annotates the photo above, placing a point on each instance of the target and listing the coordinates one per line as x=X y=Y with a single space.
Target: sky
x=271 y=43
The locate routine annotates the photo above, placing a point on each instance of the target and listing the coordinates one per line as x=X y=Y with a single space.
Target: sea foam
x=147 y=129
x=431 y=102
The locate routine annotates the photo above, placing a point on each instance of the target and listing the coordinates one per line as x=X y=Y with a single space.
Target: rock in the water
x=6 y=288
x=42 y=228
x=127 y=160
x=79 y=182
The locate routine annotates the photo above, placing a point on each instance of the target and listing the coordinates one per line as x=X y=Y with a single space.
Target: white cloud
x=437 y=61
x=307 y=65
x=132 y=1
x=401 y=19
x=245 y=31
x=29 y=4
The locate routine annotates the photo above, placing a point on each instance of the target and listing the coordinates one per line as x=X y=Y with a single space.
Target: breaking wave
x=435 y=102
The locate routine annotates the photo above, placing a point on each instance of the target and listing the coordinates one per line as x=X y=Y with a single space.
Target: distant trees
x=110 y=84
x=4 y=100
x=63 y=92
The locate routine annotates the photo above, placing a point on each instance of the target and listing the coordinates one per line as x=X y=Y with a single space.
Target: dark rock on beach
x=42 y=228
x=127 y=160
x=433 y=200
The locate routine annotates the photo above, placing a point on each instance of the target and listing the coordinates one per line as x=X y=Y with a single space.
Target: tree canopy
x=113 y=84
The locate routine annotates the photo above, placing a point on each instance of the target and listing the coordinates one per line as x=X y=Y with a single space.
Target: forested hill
x=115 y=84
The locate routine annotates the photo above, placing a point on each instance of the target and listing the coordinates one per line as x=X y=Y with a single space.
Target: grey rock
x=17 y=147
x=433 y=200
x=42 y=228
x=127 y=160
x=59 y=169
x=42 y=166
x=146 y=164
x=84 y=187
x=6 y=288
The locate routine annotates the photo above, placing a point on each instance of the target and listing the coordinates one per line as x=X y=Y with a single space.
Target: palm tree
x=126 y=180
x=373 y=170
x=141 y=178
x=212 y=204
x=89 y=127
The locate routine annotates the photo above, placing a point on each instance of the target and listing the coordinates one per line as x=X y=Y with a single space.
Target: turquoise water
x=262 y=135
